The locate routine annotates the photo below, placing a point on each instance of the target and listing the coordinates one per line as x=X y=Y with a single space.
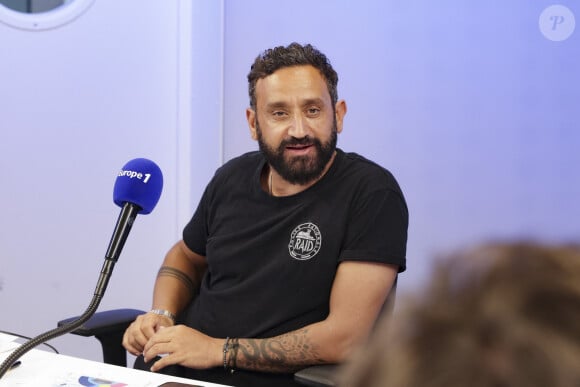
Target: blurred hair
x=293 y=55
x=497 y=315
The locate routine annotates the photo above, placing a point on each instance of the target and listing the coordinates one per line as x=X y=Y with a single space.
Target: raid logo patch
x=305 y=241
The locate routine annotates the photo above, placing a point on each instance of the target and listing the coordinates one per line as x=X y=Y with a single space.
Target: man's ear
x=340 y=111
x=251 y=118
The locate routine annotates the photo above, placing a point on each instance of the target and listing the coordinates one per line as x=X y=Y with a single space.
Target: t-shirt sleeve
x=196 y=232
x=377 y=229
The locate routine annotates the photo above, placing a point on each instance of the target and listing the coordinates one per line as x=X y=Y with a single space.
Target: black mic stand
x=124 y=223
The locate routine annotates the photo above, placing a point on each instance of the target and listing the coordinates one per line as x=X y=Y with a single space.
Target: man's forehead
x=305 y=81
x=296 y=70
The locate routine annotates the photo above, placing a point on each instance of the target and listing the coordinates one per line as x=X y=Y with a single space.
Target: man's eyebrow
x=305 y=102
x=276 y=105
x=312 y=101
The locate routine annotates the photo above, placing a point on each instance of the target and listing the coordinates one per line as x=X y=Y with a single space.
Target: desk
x=40 y=368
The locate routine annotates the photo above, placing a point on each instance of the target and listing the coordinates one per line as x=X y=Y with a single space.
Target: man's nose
x=298 y=127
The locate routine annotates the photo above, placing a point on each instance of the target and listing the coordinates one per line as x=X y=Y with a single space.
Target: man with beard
x=292 y=250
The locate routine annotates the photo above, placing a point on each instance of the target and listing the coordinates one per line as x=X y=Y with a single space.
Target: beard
x=300 y=169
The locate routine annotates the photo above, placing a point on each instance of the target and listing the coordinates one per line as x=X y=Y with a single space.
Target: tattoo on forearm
x=166 y=271
x=285 y=353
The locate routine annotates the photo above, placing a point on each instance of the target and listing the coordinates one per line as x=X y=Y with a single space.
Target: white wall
x=77 y=102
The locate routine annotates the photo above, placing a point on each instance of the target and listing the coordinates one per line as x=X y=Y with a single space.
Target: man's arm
x=357 y=296
x=178 y=280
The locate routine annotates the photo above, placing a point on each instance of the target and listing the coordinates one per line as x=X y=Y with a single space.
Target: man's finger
x=162 y=363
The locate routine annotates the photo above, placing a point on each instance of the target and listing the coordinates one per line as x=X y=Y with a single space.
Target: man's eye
x=278 y=113
x=313 y=111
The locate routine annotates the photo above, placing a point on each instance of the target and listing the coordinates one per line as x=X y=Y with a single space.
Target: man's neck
x=276 y=185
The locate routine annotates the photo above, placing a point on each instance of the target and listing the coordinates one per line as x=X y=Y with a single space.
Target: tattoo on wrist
x=166 y=271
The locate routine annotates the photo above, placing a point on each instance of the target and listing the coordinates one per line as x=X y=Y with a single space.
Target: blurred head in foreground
x=498 y=315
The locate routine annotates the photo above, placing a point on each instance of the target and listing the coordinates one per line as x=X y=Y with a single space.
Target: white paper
x=7 y=343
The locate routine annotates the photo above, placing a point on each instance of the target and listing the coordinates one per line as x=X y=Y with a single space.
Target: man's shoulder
x=360 y=160
x=360 y=167
x=245 y=162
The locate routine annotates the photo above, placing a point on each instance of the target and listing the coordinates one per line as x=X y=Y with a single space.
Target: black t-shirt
x=272 y=260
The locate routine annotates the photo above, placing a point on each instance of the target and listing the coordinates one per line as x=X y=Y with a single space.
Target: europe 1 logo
x=136 y=175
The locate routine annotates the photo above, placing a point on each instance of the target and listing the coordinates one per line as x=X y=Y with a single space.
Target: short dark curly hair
x=497 y=314
x=294 y=54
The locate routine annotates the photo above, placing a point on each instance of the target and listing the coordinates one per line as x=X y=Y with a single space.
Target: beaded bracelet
x=234 y=357
x=230 y=344
x=226 y=350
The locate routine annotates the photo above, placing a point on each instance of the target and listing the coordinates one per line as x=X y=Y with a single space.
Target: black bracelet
x=234 y=357
x=230 y=363
x=226 y=350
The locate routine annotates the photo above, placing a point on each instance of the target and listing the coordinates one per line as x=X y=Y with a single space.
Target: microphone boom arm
x=125 y=221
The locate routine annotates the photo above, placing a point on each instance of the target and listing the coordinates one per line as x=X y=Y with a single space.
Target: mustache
x=293 y=141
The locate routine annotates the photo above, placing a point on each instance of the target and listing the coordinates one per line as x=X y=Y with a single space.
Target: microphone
x=140 y=183
x=137 y=190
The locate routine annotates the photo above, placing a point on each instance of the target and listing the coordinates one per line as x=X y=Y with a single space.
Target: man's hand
x=184 y=346
x=141 y=330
